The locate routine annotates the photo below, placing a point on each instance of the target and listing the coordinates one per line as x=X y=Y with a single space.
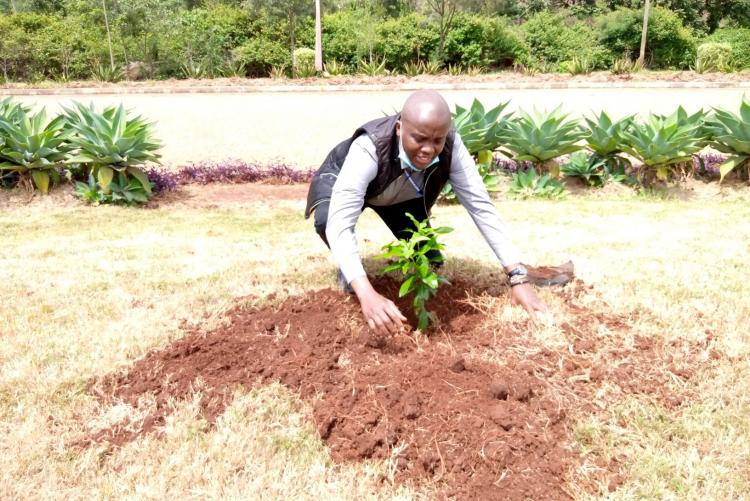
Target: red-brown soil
x=433 y=405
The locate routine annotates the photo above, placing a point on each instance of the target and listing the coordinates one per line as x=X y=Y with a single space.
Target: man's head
x=424 y=126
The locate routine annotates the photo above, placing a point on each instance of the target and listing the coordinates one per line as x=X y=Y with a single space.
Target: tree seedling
x=413 y=259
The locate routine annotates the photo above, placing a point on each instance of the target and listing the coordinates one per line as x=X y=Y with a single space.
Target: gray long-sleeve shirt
x=360 y=168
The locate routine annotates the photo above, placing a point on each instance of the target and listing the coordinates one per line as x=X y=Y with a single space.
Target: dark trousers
x=394 y=217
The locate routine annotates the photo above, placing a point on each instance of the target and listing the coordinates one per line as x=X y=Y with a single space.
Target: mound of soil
x=431 y=405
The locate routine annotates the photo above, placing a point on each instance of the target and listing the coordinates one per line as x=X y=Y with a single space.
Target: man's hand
x=381 y=314
x=524 y=296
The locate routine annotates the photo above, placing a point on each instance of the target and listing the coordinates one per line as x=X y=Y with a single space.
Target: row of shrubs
x=106 y=152
x=225 y=40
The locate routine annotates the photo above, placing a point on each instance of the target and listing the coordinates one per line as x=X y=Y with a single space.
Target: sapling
x=413 y=259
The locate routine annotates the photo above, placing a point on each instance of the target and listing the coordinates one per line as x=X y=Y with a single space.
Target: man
x=395 y=165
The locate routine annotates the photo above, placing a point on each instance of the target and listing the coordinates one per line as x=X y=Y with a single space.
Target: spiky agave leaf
x=540 y=136
x=731 y=134
x=479 y=130
x=604 y=135
x=661 y=141
x=32 y=145
x=111 y=141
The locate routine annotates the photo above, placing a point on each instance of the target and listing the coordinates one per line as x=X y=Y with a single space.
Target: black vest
x=382 y=132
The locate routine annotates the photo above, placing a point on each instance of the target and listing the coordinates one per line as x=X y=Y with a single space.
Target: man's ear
x=398 y=128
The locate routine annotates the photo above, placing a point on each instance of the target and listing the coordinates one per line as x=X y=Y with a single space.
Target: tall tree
x=445 y=10
x=644 y=33
x=318 y=39
x=109 y=36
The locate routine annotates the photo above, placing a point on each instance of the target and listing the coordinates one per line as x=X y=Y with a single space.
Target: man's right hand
x=381 y=314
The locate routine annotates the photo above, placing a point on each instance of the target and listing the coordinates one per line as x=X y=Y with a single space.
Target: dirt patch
x=433 y=406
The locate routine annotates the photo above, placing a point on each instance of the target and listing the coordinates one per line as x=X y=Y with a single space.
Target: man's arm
x=473 y=195
x=345 y=207
x=347 y=199
x=471 y=192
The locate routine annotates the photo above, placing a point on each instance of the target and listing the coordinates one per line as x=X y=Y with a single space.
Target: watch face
x=518 y=270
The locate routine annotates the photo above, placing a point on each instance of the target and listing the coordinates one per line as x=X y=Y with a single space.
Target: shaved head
x=424 y=127
x=426 y=107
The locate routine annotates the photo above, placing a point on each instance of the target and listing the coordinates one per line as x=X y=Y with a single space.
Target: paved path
x=300 y=127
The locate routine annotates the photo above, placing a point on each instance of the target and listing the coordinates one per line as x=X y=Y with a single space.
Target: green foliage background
x=65 y=39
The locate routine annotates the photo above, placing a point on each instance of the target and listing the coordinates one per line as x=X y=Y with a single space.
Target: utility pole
x=318 y=39
x=644 y=34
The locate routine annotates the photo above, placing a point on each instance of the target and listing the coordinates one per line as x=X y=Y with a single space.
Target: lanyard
x=413 y=183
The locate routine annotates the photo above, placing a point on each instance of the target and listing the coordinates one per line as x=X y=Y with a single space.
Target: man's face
x=422 y=141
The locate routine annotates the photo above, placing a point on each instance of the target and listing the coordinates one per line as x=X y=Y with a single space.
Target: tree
x=445 y=11
x=318 y=39
x=290 y=11
x=644 y=33
x=109 y=36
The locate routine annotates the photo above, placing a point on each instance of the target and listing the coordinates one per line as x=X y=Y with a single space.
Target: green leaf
x=406 y=286
x=731 y=164
x=41 y=180
x=141 y=177
x=104 y=176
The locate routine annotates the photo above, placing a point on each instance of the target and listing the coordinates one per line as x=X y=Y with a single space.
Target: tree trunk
x=318 y=39
x=109 y=36
x=644 y=34
x=292 y=40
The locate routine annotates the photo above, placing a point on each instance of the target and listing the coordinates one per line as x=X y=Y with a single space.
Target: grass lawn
x=85 y=291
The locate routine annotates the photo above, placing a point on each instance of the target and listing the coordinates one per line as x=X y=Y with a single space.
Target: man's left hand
x=524 y=296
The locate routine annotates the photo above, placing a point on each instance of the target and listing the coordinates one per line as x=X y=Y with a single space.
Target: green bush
x=348 y=36
x=713 y=56
x=669 y=43
x=304 y=62
x=739 y=39
x=261 y=54
x=205 y=38
x=484 y=41
x=554 y=39
x=35 y=47
x=406 y=39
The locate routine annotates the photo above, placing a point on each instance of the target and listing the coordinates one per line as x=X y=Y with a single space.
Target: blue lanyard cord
x=414 y=184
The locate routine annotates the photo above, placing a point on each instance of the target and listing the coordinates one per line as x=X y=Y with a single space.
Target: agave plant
x=335 y=68
x=107 y=73
x=454 y=70
x=663 y=141
x=12 y=111
x=604 y=138
x=541 y=137
x=32 y=146
x=431 y=68
x=481 y=133
x=590 y=169
x=681 y=117
x=527 y=184
x=731 y=134
x=479 y=130
x=108 y=142
x=413 y=69
x=372 y=68
x=236 y=69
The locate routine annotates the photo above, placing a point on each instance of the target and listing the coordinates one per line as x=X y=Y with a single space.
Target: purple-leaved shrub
x=227 y=171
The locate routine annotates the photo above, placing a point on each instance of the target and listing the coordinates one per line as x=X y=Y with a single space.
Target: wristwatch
x=518 y=275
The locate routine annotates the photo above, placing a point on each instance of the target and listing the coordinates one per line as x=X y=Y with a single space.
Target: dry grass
x=85 y=291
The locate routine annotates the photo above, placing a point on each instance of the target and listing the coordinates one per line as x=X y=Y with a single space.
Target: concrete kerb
x=243 y=89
